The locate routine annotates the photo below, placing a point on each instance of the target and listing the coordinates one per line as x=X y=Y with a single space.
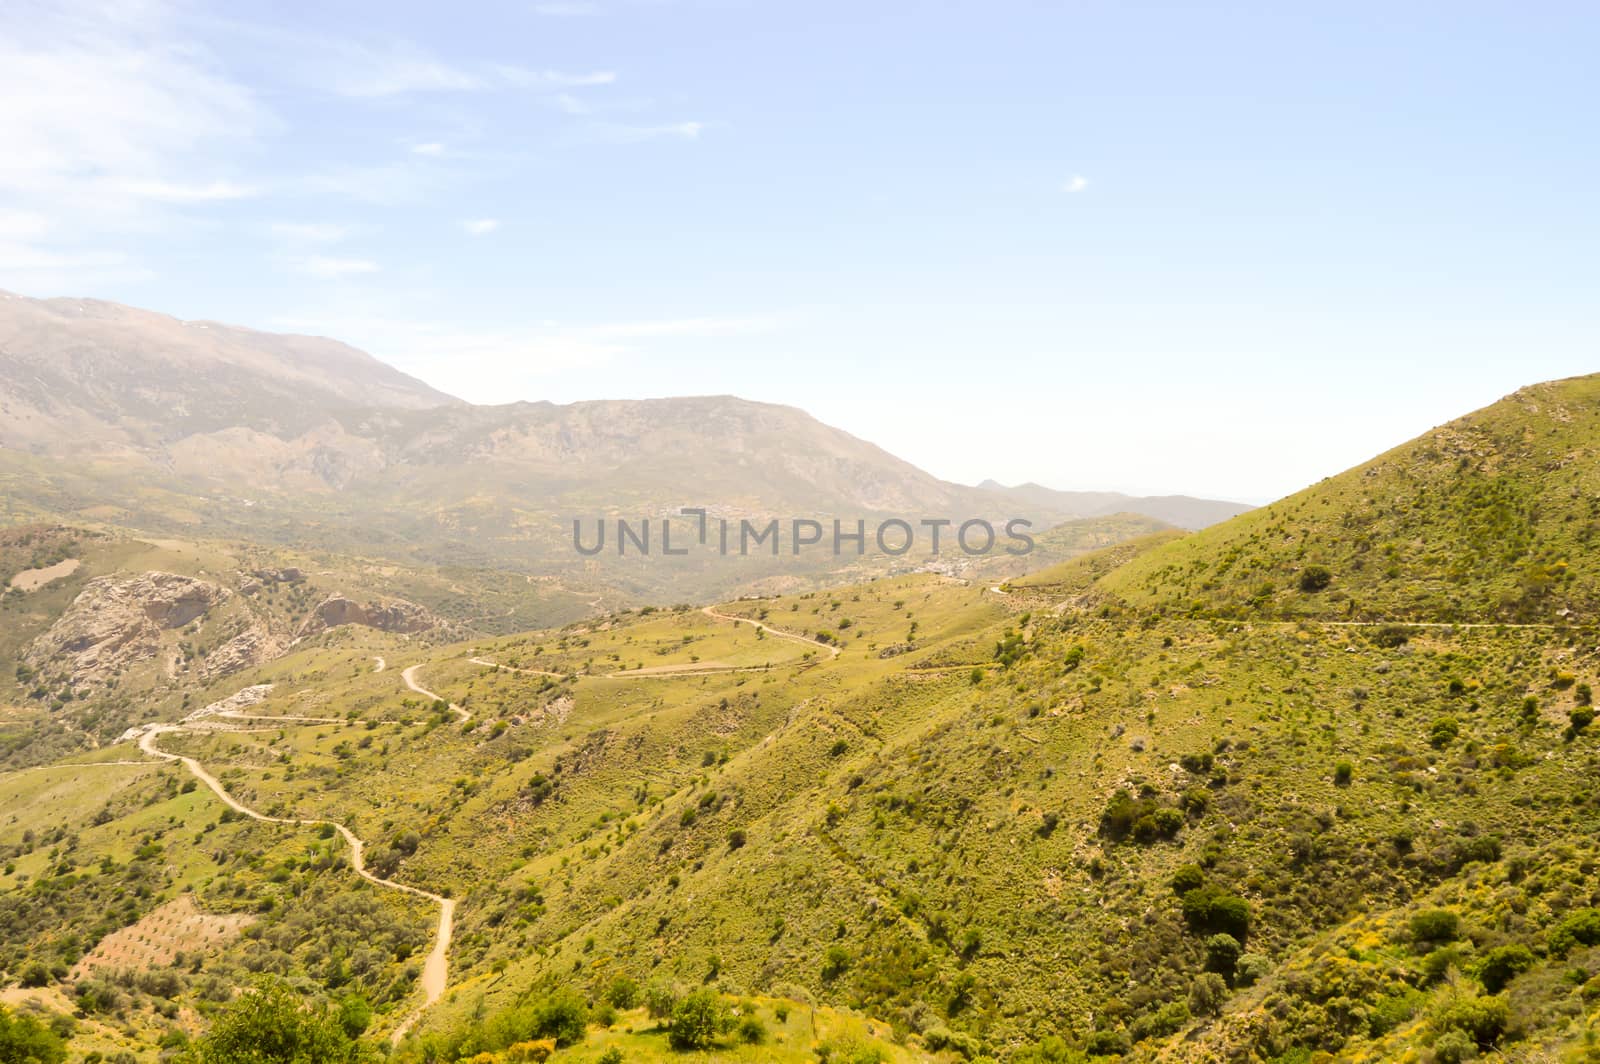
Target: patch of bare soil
x=179 y=926
x=34 y=579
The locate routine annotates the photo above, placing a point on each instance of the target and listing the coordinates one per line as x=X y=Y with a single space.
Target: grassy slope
x=1491 y=517
x=917 y=828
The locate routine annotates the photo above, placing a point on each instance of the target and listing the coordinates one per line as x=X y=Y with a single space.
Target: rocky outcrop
x=253 y=646
x=397 y=615
x=116 y=622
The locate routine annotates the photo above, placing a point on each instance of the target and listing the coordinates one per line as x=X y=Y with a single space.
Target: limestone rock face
x=117 y=621
x=394 y=616
x=253 y=646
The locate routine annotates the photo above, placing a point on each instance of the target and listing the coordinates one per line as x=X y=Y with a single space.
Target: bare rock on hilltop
x=396 y=615
x=116 y=622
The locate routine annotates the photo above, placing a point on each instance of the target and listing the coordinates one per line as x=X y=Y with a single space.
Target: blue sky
x=1218 y=249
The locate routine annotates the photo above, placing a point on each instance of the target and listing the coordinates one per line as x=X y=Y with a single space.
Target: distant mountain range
x=135 y=418
x=1183 y=511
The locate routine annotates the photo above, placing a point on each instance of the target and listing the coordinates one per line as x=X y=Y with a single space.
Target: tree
x=269 y=1024
x=24 y=1040
x=1207 y=993
x=1222 y=953
x=697 y=1020
x=623 y=993
x=563 y=1015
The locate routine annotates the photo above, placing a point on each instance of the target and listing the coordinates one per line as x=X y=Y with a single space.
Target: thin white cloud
x=431 y=147
x=186 y=192
x=310 y=232
x=331 y=268
x=1075 y=183
x=480 y=226
x=402 y=69
x=525 y=78
x=110 y=125
x=619 y=133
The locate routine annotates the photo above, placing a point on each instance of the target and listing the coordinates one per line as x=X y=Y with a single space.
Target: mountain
x=140 y=420
x=81 y=376
x=1183 y=511
x=1135 y=806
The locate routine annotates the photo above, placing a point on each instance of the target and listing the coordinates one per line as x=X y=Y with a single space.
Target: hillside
x=1183 y=511
x=1072 y=816
x=1491 y=518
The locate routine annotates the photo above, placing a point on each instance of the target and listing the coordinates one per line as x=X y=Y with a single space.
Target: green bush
x=1503 y=964
x=562 y=1015
x=1581 y=928
x=24 y=1040
x=1481 y=1019
x=613 y=1055
x=269 y=1024
x=752 y=1031
x=660 y=999
x=1435 y=925
x=1207 y=994
x=623 y=993
x=1314 y=578
x=1187 y=878
x=697 y=1020
x=1222 y=953
x=1212 y=909
x=1251 y=969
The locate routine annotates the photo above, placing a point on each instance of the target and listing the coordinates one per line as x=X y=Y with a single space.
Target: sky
x=1215 y=249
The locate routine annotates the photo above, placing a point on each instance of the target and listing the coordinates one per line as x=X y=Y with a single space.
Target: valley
x=1314 y=783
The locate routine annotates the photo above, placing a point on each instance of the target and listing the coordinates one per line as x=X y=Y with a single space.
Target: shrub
x=660 y=999
x=1187 y=878
x=1343 y=773
x=562 y=1015
x=1481 y=1019
x=752 y=1031
x=1106 y=1044
x=1222 y=953
x=1168 y=1019
x=623 y=993
x=1207 y=993
x=697 y=1020
x=1435 y=925
x=1212 y=909
x=268 y=1025
x=27 y=1041
x=1581 y=928
x=612 y=1055
x=1453 y=1047
x=1443 y=732
x=835 y=962
x=1314 y=578
x=1251 y=969
x=1581 y=717
x=1503 y=964
x=1436 y=965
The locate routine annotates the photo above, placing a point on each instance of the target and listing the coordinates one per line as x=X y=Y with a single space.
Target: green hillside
x=1491 y=518
x=1129 y=806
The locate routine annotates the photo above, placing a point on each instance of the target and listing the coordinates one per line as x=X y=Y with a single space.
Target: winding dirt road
x=793 y=637
x=435 y=970
x=668 y=671
x=409 y=675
